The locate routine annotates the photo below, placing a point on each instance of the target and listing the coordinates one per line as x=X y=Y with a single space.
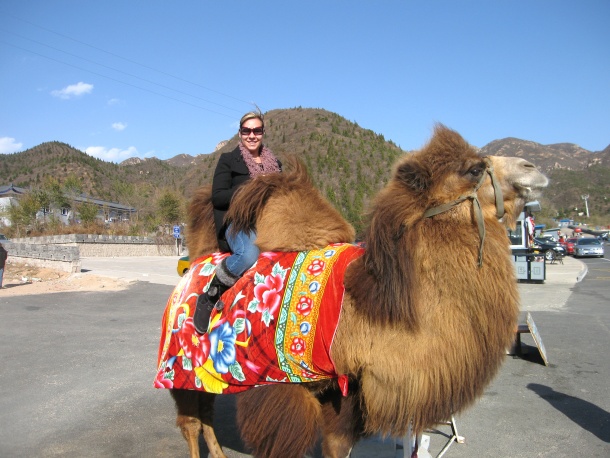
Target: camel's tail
x=279 y=422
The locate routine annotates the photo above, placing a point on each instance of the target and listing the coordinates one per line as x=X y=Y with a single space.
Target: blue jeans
x=244 y=252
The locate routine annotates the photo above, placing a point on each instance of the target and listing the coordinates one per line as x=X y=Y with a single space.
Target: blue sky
x=148 y=78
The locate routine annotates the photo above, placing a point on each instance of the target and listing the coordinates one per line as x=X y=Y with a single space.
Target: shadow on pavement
x=585 y=414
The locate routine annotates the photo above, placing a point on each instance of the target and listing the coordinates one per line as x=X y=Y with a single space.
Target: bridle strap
x=497 y=189
x=478 y=211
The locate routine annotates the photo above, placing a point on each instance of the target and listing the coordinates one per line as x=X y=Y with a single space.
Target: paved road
x=154 y=269
x=78 y=368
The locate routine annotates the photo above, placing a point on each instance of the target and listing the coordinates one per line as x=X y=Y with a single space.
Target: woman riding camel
x=250 y=159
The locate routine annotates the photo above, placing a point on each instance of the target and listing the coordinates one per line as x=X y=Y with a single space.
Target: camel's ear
x=413 y=175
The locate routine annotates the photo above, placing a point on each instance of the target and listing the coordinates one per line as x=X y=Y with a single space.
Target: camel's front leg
x=190 y=428
x=206 y=415
x=212 y=443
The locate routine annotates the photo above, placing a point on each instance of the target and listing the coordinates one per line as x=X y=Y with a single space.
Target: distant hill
x=348 y=163
x=563 y=156
x=573 y=172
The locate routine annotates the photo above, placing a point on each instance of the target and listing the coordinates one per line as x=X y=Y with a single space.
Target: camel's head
x=448 y=171
x=521 y=182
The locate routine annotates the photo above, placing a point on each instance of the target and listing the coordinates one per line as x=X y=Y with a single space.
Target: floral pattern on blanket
x=277 y=325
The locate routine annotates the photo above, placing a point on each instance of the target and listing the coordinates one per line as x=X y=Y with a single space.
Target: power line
x=116 y=80
x=126 y=59
x=121 y=71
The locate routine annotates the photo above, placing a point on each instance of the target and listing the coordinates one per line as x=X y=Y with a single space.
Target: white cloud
x=9 y=145
x=112 y=154
x=74 y=90
x=112 y=102
x=119 y=126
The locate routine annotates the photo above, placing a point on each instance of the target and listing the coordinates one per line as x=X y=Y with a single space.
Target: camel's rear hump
x=288 y=212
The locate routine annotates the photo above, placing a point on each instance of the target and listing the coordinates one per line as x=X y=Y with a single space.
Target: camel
x=430 y=307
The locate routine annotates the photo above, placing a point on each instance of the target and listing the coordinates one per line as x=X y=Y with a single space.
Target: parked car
x=552 y=234
x=569 y=243
x=551 y=249
x=3 y=237
x=184 y=264
x=588 y=246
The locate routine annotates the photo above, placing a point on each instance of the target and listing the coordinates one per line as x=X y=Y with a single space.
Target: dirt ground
x=23 y=279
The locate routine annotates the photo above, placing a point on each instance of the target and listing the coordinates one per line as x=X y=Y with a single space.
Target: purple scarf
x=268 y=161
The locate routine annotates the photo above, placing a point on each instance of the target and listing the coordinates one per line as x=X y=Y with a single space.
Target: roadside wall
x=63 y=252
x=64 y=258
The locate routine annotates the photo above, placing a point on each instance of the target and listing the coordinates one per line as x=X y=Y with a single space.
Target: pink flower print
x=269 y=294
x=298 y=346
x=304 y=306
x=218 y=256
x=316 y=267
x=161 y=382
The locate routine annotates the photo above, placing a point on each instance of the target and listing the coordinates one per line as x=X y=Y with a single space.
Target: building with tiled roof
x=108 y=211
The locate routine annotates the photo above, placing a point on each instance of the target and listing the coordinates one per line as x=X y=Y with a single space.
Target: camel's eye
x=476 y=171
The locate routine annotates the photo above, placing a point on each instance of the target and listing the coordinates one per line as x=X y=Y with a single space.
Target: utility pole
x=585 y=197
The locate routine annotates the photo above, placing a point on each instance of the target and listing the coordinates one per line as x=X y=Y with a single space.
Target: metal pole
x=586 y=199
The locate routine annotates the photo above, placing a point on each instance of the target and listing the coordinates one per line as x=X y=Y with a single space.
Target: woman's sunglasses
x=247 y=131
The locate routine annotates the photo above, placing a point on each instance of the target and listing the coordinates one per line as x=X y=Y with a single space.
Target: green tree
x=56 y=193
x=23 y=216
x=88 y=212
x=169 y=208
x=72 y=187
x=44 y=200
x=125 y=192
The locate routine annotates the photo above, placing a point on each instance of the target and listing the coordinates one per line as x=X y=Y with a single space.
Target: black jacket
x=3 y=256
x=231 y=172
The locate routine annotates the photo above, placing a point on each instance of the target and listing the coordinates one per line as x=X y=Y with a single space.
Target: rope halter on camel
x=476 y=204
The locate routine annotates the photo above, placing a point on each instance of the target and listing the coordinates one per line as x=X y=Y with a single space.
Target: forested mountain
x=348 y=163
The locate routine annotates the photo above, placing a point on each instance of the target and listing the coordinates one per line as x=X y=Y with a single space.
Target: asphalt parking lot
x=78 y=370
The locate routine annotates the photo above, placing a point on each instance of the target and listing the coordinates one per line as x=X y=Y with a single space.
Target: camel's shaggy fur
x=424 y=328
x=277 y=437
x=289 y=214
x=200 y=230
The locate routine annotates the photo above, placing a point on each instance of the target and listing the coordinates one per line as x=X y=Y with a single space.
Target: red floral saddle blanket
x=277 y=325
